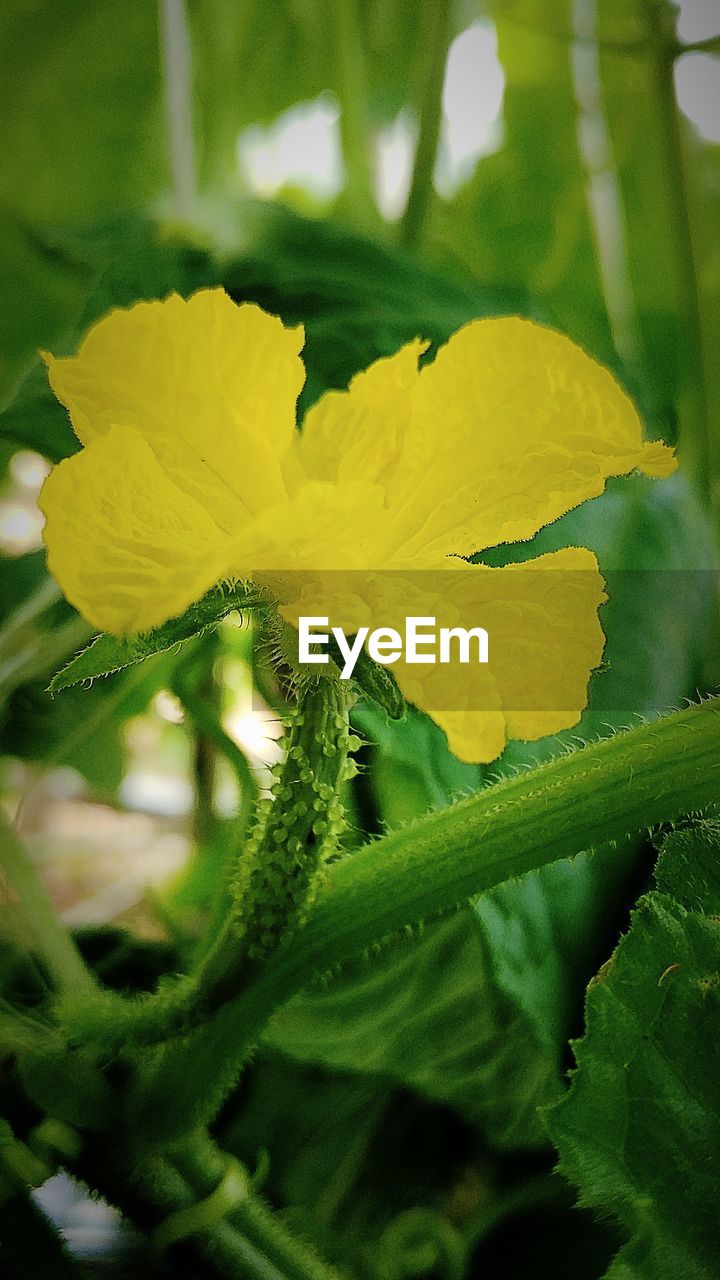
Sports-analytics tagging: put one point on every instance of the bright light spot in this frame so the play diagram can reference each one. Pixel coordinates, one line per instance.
(20, 528)
(698, 19)
(394, 151)
(301, 149)
(697, 85)
(28, 469)
(162, 794)
(256, 731)
(168, 707)
(472, 103)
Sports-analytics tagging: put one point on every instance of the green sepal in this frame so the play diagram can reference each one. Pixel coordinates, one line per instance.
(107, 654)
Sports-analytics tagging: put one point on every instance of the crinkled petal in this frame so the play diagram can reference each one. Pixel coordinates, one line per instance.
(211, 386)
(512, 425)
(128, 547)
(359, 434)
(323, 526)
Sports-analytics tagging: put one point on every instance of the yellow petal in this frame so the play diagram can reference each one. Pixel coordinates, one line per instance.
(544, 642)
(359, 434)
(211, 386)
(512, 425)
(127, 546)
(324, 526)
(657, 460)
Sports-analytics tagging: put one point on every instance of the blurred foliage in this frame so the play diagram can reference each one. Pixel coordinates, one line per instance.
(411, 1080)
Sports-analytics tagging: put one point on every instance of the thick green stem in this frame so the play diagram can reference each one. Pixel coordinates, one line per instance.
(651, 774)
(202, 706)
(596, 795)
(437, 16)
(655, 179)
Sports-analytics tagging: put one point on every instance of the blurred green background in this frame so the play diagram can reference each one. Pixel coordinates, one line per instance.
(377, 169)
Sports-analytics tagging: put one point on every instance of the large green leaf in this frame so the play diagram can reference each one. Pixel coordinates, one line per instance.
(428, 1015)
(639, 1131)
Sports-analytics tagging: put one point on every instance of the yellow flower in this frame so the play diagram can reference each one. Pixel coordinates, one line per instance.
(192, 473)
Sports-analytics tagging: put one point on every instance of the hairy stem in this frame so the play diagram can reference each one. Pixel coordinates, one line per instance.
(202, 1165)
(599, 794)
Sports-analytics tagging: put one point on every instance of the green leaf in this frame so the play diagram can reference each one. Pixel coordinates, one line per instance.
(108, 654)
(639, 1131)
(542, 935)
(428, 1016)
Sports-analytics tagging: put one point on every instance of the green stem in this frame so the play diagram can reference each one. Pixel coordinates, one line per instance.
(197, 1193)
(203, 1166)
(602, 792)
(232, 1256)
(437, 15)
(30, 1245)
(48, 937)
(711, 45)
(354, 115)
(599, 794)
(30, 645)
(208, 726)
